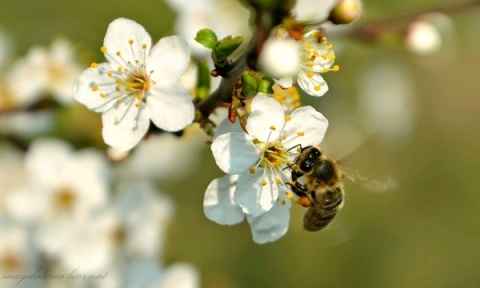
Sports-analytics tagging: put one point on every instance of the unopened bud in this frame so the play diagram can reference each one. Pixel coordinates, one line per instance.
(280, 57)
(345, 11)
(426, 34)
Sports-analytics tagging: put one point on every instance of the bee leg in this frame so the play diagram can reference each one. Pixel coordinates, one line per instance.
(301, 191)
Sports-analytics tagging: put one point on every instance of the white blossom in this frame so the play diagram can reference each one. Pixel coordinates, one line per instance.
(303, 61)
(259, 156)
(139, 83)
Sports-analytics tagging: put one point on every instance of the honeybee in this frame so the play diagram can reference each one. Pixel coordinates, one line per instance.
(322, 190)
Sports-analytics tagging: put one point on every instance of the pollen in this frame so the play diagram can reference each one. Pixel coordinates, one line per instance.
(288, 117)
(335, 68)
(144, 46)
(103, 95)
(118, 53)
(301, 133)
(252, 170)
(331, 57)
(317, 87)
(277, 180)
(138, 104)
(103, 49)
(95, 88)
(310, 74)
(94, 65)
(273, 128)
(130, 41)
(289, 195)
(264, 182)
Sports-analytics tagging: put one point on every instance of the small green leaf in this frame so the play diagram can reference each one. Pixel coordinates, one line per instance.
(207, 38)
(225, 48)
(249, 85)
(265, 85)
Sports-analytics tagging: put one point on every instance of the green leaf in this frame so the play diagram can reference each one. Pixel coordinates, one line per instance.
(225, 48)
(207, 38)
(265, 85)
(249, 84)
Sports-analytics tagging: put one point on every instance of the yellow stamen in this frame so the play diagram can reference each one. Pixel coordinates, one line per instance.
(94, 65)
(103, 95)
(138, 104)
(273, 128)
(264, 182)
(252, 170)
(130, 41)
(289, 195)
(110, 73)
(118, 53)
(288, 117)
(119, 100)
(103, 49)
(310, 74)
(325, 70)
(300, 133)
(331, 57)
(335, 68)
(278, 181)
(95, 88)
(144, 46)
(317, 87)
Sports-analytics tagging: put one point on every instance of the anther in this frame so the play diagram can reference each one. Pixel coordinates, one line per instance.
(130, 41)
(103, 49)
(317, 87)
(273, 128)
(300, 133)
(95, 88)
(252, 170)
(310, 74)
(118, 53)
(94, 65)
(264, 182)
(288, 117)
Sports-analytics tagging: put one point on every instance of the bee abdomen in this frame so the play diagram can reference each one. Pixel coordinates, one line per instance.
(316, 219)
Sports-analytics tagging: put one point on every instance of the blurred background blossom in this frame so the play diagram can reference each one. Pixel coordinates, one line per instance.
(136, 219)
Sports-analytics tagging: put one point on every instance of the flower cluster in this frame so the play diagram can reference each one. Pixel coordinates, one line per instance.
(256, 160)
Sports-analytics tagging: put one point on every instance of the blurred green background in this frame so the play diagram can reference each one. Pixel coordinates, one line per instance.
(423, 233)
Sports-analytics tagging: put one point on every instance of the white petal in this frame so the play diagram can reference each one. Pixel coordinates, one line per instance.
(169, 58)
(254, 197)
(309, 123)
(170, 106)
(119, 32)
(226, 126)
(285, 82)
(218, 204)
(271, 225)
(234, 152)
(180, 275)
(308, 84)
(266, 120)
(84, 83)
(124, 125)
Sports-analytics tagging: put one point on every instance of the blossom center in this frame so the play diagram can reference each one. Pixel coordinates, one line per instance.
(64, 199)
(272, 154)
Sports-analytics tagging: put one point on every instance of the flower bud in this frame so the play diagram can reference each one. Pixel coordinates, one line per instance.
(345, 11)
(280, 58)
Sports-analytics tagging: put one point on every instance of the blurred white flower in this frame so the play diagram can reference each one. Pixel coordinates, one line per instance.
(312, 9)
(427, 34)
(387, 102)
(60, 183)
(44, 72)
(261, 154)
(26, 123)
(224, 17)
(17, 254)
(139, 83)
(302, 61)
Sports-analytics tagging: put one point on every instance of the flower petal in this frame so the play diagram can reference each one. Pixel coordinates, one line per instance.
(308, 84)
(120, 33)
(93, 82)
(218, 204)
(271, 225)
(266, 120)
(285, 82)
(256, 193)
(124, 125)
(168, 58)
(234, 152)
(171, 106)
(306, 127)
